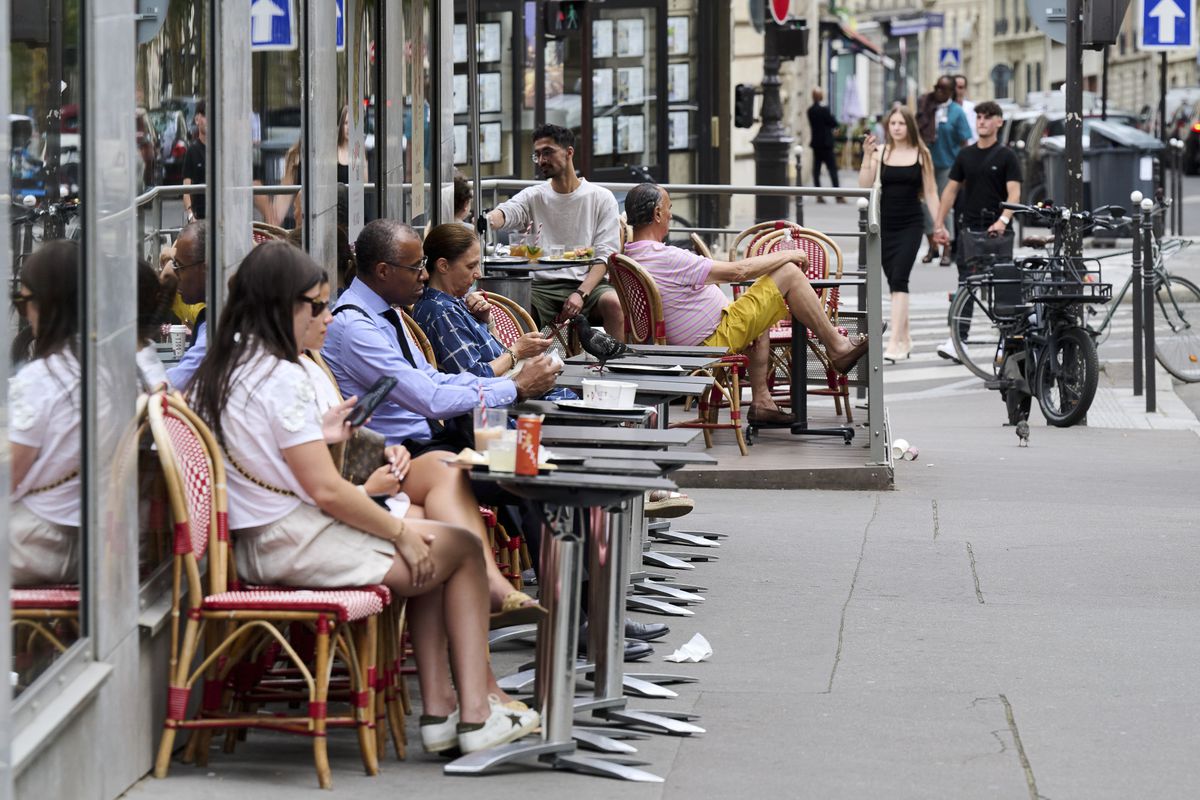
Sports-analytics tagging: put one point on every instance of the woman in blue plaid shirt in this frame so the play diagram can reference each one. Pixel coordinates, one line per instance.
(456, 319)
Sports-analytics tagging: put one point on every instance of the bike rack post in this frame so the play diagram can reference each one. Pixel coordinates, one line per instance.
(1135, 200)
(1148, 299)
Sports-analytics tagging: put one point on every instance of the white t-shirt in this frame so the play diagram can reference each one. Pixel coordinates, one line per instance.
(586, 217)
(328, 397)
(44, 412)
(272, 406)
(969, 110)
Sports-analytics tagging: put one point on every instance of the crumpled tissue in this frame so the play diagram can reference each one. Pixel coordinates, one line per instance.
(696, 650)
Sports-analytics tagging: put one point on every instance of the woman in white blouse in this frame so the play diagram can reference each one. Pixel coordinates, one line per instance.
(43, 427)
(296, 521)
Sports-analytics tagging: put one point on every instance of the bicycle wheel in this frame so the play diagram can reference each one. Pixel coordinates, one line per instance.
(974, 332)
(1177, 328)
(1066, 377)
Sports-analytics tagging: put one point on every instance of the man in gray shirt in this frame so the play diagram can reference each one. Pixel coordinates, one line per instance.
(570, 212)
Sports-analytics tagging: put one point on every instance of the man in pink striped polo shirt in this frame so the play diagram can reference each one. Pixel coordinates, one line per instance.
(697, 312)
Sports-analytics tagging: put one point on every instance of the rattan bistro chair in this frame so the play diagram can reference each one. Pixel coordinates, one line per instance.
(824, 261)
(236, 623)
(644, 324)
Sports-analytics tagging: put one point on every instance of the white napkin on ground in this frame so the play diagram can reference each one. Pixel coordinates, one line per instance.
(696, 650)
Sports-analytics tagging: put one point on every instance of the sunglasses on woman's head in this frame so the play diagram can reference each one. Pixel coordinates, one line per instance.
(315, 305)
(19, 301)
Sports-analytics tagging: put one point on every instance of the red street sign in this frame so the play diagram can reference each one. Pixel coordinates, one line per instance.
(780, 10)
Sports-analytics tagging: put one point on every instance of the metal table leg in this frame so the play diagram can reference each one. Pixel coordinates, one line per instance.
(554, 686)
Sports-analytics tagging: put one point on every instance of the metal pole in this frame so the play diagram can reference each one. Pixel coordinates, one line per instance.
(1103, 86)
(1073, 244)
(773, 141)
(1148, 299)
(861, 292)
(799, 182)
(1135, 200)
(473, 105)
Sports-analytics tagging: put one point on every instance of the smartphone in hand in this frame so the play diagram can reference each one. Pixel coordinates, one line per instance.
(370, 401)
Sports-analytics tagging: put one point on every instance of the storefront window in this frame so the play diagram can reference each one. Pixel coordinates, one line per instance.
(625, 94)
(45, 397)
(498, 40)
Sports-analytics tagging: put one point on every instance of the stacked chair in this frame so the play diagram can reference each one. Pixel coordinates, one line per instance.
(824, 262)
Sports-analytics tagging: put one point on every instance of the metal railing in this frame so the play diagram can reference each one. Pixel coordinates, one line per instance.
(869, 295)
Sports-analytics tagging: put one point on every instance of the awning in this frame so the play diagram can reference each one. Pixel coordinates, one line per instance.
(857, 43)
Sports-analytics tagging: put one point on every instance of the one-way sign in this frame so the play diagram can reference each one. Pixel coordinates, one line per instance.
(1166, 24)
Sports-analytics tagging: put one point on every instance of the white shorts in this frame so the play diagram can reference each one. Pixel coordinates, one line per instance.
(312, 549)
(41, 553)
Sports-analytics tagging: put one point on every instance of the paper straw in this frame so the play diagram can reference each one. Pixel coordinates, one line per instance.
(537, 239)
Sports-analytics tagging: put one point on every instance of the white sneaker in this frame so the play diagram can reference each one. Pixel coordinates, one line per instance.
(946, 350)
(439, 733)
(502, 726)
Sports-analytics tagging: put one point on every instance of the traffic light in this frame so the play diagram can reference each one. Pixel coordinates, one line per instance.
(564, 17)
(743, 105)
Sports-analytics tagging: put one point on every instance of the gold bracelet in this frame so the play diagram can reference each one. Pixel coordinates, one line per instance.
(396, 536)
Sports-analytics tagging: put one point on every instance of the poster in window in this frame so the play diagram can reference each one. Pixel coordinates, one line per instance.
(677, 130)
(602, 88)
(602, 38)
(460, 144)
(602, 136)
(459, 49)
(631, 134)
(678, 34)
(630, 85)
(460, 94)
(488, 41)
(489, 92)
(489, 144)
(678, 82)
(631, 38)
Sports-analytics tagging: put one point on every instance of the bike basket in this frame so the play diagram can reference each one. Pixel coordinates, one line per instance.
(998, 287)
(1078, 283)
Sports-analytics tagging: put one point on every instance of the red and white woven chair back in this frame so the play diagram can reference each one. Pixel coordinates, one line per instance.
(189, 477)
(505, 327)
(638, 298)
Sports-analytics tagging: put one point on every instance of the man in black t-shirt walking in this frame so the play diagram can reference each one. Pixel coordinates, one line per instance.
(984, 175)
(193, 166)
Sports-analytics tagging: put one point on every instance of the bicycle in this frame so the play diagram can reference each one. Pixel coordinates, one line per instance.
(1034, 342)
(1177, 316)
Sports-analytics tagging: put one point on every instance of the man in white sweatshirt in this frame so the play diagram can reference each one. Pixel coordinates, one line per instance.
(569, 211)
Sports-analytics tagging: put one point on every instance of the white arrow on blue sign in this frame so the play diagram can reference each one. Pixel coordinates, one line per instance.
(949, 58)
(1166, 24)
(341, 25)
(272, 25)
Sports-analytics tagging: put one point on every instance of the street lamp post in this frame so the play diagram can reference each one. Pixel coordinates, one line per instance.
(773, 142)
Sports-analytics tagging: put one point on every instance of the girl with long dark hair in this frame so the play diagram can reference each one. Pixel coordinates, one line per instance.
(297, 521)
(44, 406)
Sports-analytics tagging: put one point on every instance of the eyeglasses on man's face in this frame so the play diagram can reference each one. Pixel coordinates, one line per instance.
(179, 267)
(545, 152)
(316, 305)
(418, 267)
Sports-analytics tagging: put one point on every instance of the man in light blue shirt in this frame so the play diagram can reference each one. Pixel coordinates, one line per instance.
(190, 267)
(368, 340)
(953, 133)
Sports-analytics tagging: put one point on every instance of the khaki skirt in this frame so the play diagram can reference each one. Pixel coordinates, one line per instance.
(310, 548)
(41, 553)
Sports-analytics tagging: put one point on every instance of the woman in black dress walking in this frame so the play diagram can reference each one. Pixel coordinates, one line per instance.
(904, 169)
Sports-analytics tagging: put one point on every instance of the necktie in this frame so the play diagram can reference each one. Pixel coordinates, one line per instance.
(393, 316)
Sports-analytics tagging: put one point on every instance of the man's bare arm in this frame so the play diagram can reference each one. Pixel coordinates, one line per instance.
(752, 268)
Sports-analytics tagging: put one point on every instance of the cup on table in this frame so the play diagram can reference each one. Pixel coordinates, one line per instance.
(516, 244)
(490, 423)
(554, 251)
(609, 394)
(502, 452)
(178, 337)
